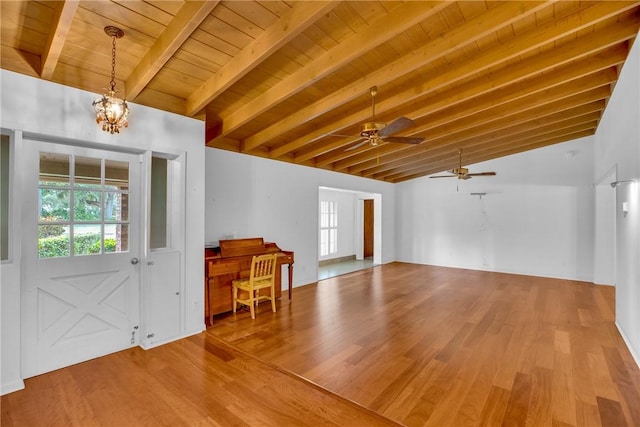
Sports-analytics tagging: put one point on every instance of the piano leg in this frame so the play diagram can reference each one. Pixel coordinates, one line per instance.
(290, 280)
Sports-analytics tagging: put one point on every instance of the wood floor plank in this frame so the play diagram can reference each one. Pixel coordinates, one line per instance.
(611, 413)
(518, 405)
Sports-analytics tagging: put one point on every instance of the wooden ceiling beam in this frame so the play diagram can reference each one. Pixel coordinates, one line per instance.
(376, 33)
(543, 109)
(501, 151)
(63, 15)
(535, 38)
(503, 114)
(547, 114)
(500, 17)
(298, 19)
(183, 24)
(507, 152)
(587, 112)
(442, 157)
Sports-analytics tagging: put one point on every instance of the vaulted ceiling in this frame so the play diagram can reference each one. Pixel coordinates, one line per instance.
(290, 80)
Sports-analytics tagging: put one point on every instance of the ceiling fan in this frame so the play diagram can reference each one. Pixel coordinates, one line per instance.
(376, 132)
(463, 173)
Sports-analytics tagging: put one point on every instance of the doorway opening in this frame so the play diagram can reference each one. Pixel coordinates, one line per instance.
(349, 231)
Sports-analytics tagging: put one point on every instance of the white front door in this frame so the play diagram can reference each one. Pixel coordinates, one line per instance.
(81, 288)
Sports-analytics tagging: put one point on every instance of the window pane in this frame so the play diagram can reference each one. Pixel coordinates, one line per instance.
(116, 175)
(87, 205)
(333, 244)
(113, 203)
(324, 244)
(88, 172)
(116, 237)
(158, 214)
(53, 241)
(4, 197)
(54, 204)
(87, 239)
(54, 169)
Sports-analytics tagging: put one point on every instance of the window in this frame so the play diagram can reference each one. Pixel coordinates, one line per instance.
(83, 206)
(328, 228)
(158, 213)
(4, 197)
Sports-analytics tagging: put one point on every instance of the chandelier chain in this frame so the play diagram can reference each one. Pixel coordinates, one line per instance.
(113, 64)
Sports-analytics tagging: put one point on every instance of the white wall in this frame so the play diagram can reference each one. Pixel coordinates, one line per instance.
(617, 146)
(346, 203)
(536, 217)
(48, 110)
(254, 197)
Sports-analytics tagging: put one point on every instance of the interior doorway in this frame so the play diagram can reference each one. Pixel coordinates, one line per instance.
(349, 231)
(367, 229)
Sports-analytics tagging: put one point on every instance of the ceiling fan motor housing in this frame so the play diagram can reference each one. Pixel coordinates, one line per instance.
(371, 128)
(460, 171)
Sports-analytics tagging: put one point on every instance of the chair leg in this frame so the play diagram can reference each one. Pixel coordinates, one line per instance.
(273, 299)
(251, 304)
(235, 298)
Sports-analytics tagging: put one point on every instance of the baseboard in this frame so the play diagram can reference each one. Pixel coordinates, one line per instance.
(7, 388)
(635, 356)
(336, 260)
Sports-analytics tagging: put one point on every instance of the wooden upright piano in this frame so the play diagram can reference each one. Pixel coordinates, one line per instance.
(232, 260)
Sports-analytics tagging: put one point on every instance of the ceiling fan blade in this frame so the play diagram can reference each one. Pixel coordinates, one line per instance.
(444, 176)
(482, 174)
(403, 139)
(397, 125)
(360, 144)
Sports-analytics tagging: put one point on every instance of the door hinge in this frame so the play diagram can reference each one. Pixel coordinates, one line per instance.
(133, 335)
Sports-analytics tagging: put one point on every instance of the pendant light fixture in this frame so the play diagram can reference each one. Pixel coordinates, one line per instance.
(112, 112)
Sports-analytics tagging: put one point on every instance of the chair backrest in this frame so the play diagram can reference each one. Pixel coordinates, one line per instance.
(263, 267)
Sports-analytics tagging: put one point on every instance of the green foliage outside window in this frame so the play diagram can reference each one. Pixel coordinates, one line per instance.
(58, 246)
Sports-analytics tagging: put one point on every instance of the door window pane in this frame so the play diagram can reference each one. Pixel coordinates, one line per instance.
(113, 206)
(87, 205)
(116, 175)
(54, 169)
(88, 172)
(121, 238)
(87, 239)
(54, 205)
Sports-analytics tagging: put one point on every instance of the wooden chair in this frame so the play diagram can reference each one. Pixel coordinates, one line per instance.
(262, 276)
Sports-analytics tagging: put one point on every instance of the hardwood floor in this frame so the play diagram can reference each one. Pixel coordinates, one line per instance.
(417, 344)
(437, 346)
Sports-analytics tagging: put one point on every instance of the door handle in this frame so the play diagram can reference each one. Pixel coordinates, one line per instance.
(134, 260)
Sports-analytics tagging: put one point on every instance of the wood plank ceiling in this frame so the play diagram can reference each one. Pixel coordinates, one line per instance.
(290, 80)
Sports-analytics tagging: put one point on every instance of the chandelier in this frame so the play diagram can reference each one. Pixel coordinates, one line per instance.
(112, 112)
